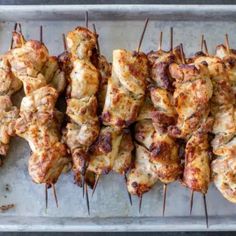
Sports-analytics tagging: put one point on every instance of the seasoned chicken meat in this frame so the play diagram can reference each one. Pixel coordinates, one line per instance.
(191, 98)
(125, 89)
(197, 163)
(39, 124)
(9, 84)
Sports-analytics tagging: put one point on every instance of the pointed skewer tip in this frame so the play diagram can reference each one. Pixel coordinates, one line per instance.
(129, 195)
(160, 41)
(205, 208)
(83, 184)
(41, 34)
(98, 46)
(182, 54)
(95, 185)
(191, 202)
(227, 43)
(46, 196)
(64, 42)
(55, 194)
(205, 46)
(140, 203)
(86, 19)
(87, 199)
(202, 42)
(142, 35)
(171, 39)
(164, 198)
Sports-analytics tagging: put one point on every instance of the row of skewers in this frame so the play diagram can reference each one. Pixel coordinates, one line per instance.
(149, 117)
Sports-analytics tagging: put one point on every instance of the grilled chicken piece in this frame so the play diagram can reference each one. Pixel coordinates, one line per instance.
(27, 63)
(39, 124)
(229, 59)
(159, 62)
(141, 178)
(191, 98)
(9, 84)
(221, 69)
(111, 152)
(122, 162)
(125, 89)
(223, 168)
(8, 115)
(197, 163)
(81, 43)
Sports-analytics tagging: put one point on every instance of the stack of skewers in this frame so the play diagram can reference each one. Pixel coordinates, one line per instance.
(149, 117)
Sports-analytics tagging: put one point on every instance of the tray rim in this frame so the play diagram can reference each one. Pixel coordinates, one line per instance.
(156, 12)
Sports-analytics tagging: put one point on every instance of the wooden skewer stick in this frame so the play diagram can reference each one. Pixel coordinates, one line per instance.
(140, 203)
(160, 41)
(86, 19)
(41, 34)
(64, 42)
(202, 42)
(164, 199)
(46, 196)
(53, 185)
(87, 198)
(171, 39)
(142, 35)
(205, 208)
(227, 43)
(165, 185)
(129, 195)
(96, 183)
(55, 194)
(191, 202)
(182, 54)
(83, 183)
(20, 29)
(205, 46)
(95, 31)
(12, 40)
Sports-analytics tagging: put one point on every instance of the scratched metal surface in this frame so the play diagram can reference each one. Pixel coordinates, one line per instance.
(118, 27)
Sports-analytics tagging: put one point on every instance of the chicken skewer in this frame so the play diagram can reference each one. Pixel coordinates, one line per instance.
(114, 146)
(159, 152)
(203, 45)
(39, 122)
(223, 144)
(9, 85)
(79, 62)
(168, 166)
(192, 97)
(122, 161)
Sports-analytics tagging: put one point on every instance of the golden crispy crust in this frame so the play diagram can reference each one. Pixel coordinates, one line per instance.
(39, 124)
(81, 42)
(223, 169)
(104, 151)
(126, 88)
(191, 98)
(141, 178)
(197, 170)
(159, 63)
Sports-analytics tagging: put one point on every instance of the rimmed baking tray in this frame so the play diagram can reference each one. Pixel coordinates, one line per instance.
(119, 26)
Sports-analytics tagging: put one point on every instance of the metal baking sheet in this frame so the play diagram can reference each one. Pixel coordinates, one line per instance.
(118, 27)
